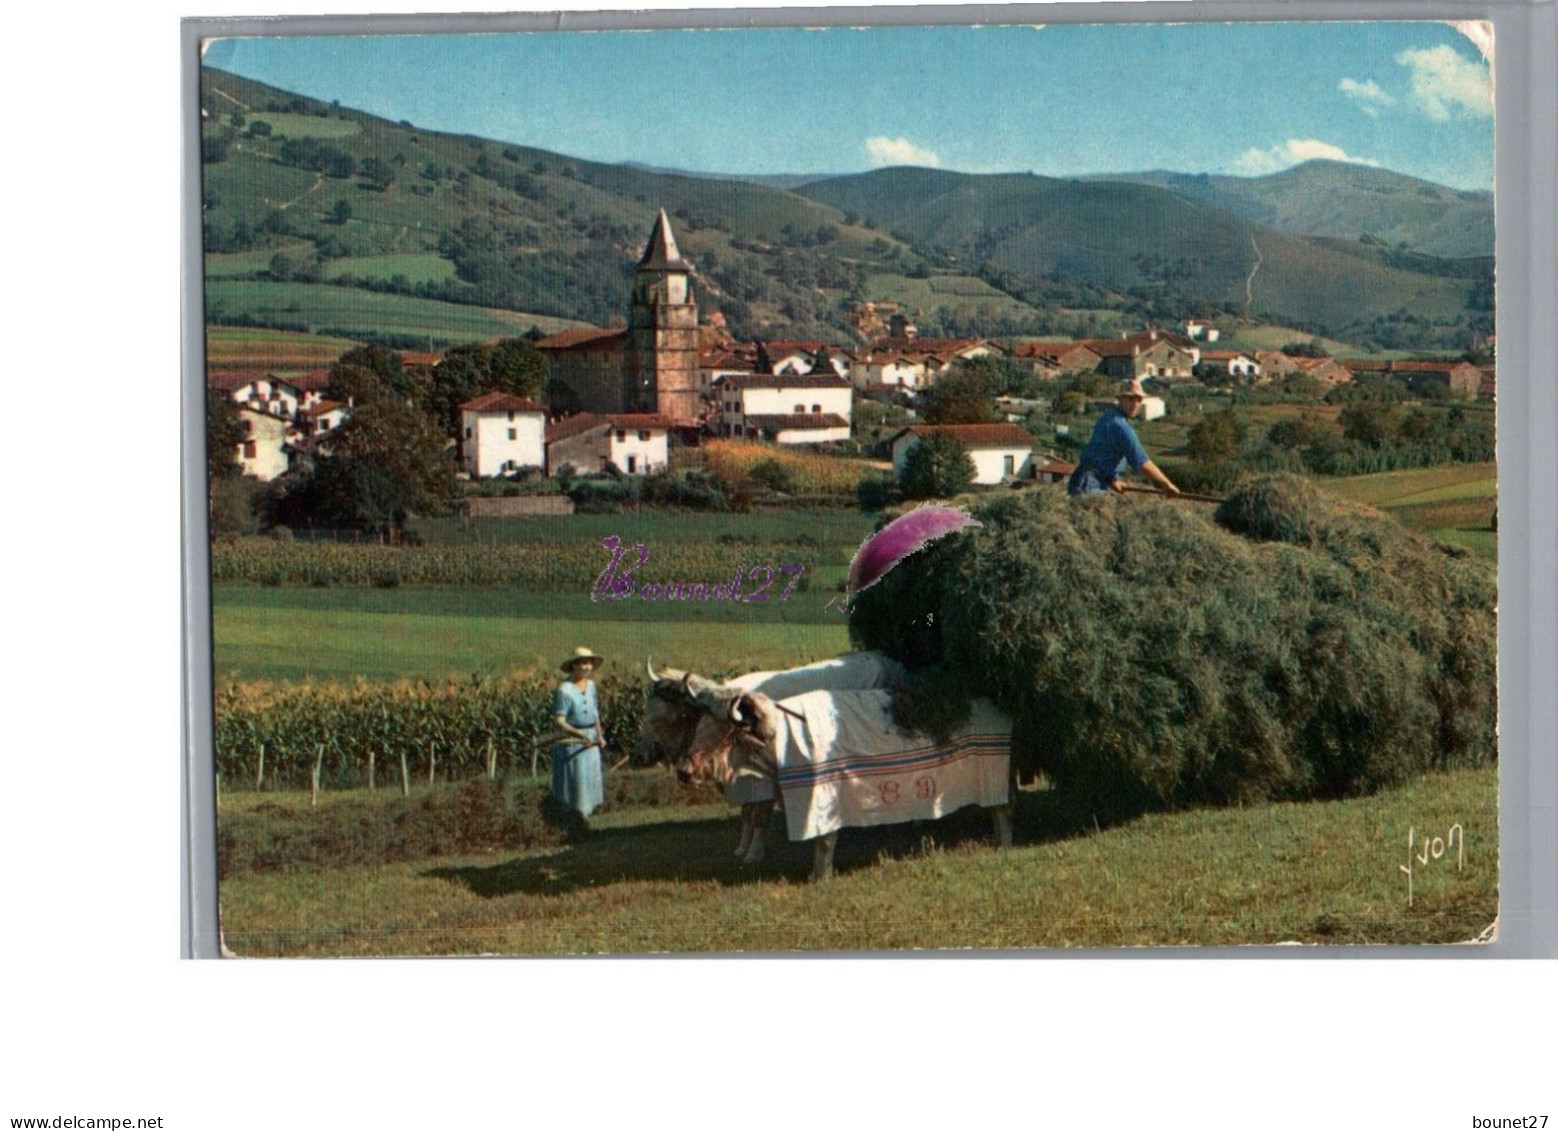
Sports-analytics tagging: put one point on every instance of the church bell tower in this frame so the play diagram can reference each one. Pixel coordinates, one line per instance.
(660, 371)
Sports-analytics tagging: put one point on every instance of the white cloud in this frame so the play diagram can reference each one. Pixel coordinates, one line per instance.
(1443, 80)
(1367, 95)
(1294, 151)
(899, 151)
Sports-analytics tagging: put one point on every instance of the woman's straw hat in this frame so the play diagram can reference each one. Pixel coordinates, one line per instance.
(581, 653)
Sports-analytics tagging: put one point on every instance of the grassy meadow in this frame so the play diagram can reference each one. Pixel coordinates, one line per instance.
(654, 878)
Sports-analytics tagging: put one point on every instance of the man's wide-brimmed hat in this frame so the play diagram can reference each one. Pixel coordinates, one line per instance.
(1132, 388)
(581, 653)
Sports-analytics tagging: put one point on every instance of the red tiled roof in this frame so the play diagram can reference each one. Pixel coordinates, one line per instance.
(1223, 355)
(324, 407)
(784, 381)
(639, 420)
(802, 421)
(575, 425)
(928, 345)
(1113, 347)
(313, 381)
(977, 435)
(587, 339)
(420, 357)
(501, 402)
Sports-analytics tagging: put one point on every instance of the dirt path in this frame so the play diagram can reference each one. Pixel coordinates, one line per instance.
(1249, 282)
(229, 97)
(319, 179)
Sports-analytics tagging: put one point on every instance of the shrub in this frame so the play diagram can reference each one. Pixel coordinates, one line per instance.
(1152, 656)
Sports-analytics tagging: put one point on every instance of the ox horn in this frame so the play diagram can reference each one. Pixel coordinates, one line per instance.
(650, 668)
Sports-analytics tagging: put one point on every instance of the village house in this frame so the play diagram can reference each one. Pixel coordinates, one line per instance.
(1274, 365)
(325, 417)
(1054, 471)
(1461, 378)
(636, 443)
(258, 392)
(753, 403)
(501, 433)
(1051, 359)
(262, 452)
(1152, 353)
(999, 451)
(1232, 364)
(1326, 370)
(1201, 330)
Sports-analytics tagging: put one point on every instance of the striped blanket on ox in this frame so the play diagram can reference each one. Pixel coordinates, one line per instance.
(853, 671)
(844, 763)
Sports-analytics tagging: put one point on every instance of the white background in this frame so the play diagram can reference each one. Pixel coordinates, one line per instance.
(100, 1017)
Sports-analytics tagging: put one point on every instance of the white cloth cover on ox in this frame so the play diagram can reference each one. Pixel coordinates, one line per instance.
(845, 763)
(853, 671)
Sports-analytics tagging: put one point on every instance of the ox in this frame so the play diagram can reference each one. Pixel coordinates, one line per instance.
(837, 760)
(675, 721)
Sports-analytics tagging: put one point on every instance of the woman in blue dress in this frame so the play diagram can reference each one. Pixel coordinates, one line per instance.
(576, 764)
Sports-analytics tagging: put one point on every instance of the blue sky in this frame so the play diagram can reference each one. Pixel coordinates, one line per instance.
(1058, 100)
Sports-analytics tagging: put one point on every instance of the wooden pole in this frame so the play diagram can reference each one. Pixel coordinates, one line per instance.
(259, 773)
(319, 762)
(405, 778)
(371, 753)
(431, 758)
(492, 759)
(1135, 490)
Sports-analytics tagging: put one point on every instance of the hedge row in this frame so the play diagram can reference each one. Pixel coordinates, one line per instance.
(536, 566)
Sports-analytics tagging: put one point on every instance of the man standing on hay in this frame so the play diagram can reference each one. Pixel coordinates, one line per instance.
(1113, 445)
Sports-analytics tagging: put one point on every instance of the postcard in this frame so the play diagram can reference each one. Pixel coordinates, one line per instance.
(852, 489)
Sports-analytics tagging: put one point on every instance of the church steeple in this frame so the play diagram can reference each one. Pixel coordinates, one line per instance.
(661, 253)
(660, 368)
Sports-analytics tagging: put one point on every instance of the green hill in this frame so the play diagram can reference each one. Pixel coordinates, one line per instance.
(1346, 201)
(304, 193)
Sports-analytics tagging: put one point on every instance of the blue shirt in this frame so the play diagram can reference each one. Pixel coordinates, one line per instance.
(1113, 445)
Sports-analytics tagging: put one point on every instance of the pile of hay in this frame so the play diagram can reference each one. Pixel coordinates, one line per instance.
(1156, 654)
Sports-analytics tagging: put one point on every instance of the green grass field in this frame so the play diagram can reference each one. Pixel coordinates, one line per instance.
(283, 124)
(354, 311)
(662, 879)
(426, 633)
(1453, 502)
(252, 345)
(419, 267)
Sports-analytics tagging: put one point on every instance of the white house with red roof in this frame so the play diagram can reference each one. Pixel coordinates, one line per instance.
(750, 402)
(1231, 363)
(259, 392)
(501, 433)
(326, 416)
(637, 443)
(999, 451)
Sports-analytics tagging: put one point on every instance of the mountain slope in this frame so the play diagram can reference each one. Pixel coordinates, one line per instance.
(303, 192)
(1345, 201)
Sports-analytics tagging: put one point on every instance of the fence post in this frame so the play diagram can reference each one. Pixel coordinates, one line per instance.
(492, 759)
(371, 753)
(431, 758)
(319, 761)
(259, 773)
(405, 778)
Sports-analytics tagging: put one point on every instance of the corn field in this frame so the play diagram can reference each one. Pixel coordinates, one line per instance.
(534, 566)
(733, 461)
(273, 735)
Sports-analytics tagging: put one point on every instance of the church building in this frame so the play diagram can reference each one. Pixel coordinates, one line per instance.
(652, 366)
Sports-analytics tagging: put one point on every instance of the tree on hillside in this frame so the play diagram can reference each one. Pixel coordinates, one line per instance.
(342, 211)
(228, 500)
(938, 467)
(1371, 423)
(518, 367)
(382, 361)
(1216, 439)
(513, 365)
(379, 174)
(961, 395)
